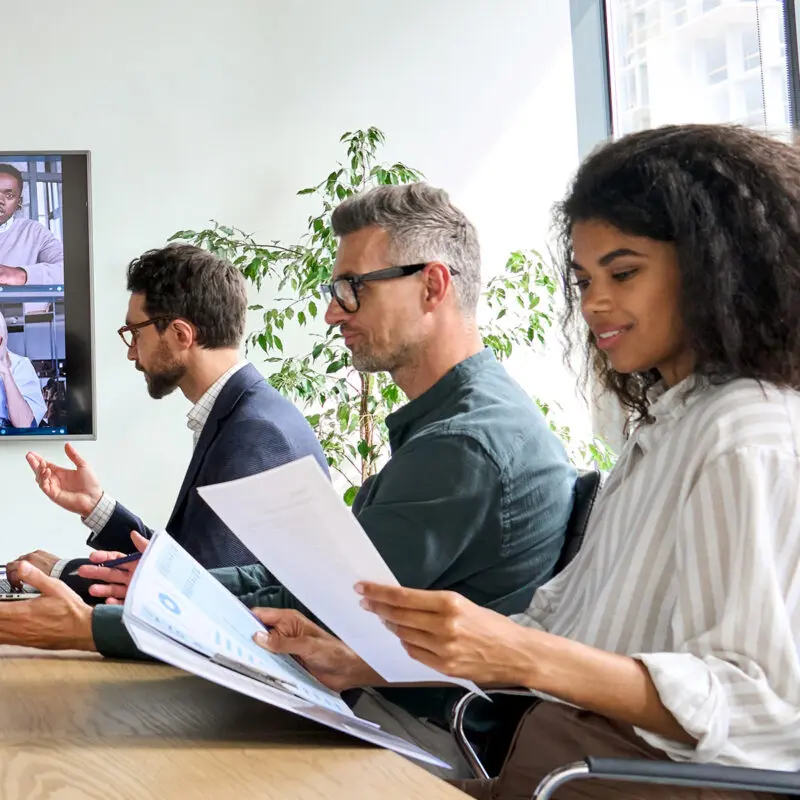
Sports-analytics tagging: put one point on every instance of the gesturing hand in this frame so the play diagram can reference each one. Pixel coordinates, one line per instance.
(116, 579)
(76, 490)
(327, 658)
(451, 634)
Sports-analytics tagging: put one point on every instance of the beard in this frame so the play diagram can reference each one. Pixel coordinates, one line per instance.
(365, 360)
(164, 377)
(162, 383)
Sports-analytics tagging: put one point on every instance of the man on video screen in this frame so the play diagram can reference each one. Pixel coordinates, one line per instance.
(29, 252)
(21, 402)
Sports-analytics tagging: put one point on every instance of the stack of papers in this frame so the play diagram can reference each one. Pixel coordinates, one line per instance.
(294, 522)
(178, 613)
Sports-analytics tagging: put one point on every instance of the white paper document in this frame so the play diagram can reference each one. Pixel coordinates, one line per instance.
(178, 613)
(171, 593)
(292, 519)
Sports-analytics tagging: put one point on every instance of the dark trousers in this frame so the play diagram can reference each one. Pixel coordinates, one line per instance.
(551, 736)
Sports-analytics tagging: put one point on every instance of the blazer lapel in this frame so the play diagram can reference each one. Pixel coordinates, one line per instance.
(228, 398)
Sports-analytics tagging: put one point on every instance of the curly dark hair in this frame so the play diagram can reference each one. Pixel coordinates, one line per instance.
(728, 198)
(185, 281)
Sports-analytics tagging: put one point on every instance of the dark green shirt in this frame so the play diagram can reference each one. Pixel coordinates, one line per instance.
(474, 499)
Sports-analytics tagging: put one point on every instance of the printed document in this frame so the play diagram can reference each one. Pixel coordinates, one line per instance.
(292, 519)
(177, 612)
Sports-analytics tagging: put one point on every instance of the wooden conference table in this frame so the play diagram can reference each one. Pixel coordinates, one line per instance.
(74, 725)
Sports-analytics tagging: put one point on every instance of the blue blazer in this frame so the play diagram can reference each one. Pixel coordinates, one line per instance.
(251, 428)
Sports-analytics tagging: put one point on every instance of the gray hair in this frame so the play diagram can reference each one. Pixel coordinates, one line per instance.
(423, 225)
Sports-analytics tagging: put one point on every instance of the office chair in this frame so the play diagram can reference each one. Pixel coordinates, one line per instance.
(512, 703)
(485, 757)
(672, 773)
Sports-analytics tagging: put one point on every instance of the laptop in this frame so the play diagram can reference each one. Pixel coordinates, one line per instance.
(8, 592)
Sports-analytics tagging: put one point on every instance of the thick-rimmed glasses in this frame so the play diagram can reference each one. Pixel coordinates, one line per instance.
(130, 333)
(345, 289)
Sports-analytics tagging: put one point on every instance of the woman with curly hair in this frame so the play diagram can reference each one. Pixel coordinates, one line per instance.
(674, 633)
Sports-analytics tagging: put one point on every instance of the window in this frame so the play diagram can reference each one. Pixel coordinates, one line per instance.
(716, 61)
(753, 102)
(698, 61)
(751, 49)
(680, 12)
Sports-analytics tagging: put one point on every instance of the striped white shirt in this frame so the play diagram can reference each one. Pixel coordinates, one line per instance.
(691, 564)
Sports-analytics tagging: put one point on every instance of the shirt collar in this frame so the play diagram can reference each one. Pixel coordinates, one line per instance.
(198, 414)
(7, 224)
(673, 402)
(401, 421)
(669, 404)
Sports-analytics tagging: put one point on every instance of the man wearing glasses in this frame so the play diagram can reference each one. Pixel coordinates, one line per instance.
(29, 253)
(477, 492)
(185, 322)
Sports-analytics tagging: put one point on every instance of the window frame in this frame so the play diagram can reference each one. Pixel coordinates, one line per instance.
(589, 22)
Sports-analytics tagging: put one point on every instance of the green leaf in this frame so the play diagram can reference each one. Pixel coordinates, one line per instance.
(350, 495)
(363, 449)
(312, 308)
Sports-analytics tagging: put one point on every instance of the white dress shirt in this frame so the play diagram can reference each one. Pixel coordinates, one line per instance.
(29, 385)
(195, 420)
(691, 564)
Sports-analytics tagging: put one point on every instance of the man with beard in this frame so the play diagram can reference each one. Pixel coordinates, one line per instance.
(29, 253)
(478, 490)
(185, 322)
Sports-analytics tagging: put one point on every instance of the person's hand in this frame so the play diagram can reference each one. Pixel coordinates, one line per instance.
(76, 490)
(451, 634)
(327, 658)
(41, 559)
(116, 579)
(58, 620)
(12, 276)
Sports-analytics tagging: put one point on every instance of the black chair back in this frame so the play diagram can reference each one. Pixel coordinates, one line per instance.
(491, 727)
(584, 494)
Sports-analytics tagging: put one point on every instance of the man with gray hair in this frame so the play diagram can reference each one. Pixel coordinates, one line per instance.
(476, 495)
(21, 402)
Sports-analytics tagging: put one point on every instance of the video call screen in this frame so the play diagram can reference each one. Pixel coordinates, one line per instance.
(46, 386)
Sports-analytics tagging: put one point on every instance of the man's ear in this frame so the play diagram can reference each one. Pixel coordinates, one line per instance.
(437, 281)
(185, 333)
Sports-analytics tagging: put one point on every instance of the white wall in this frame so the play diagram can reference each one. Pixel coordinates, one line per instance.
(196, 109)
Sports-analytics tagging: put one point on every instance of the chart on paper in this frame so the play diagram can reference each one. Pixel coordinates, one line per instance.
(174, 595)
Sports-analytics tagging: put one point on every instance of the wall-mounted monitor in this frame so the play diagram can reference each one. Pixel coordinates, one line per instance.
(46, 337)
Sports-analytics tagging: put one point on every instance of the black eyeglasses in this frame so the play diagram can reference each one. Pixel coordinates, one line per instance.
(130, 333)
(345, 289)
